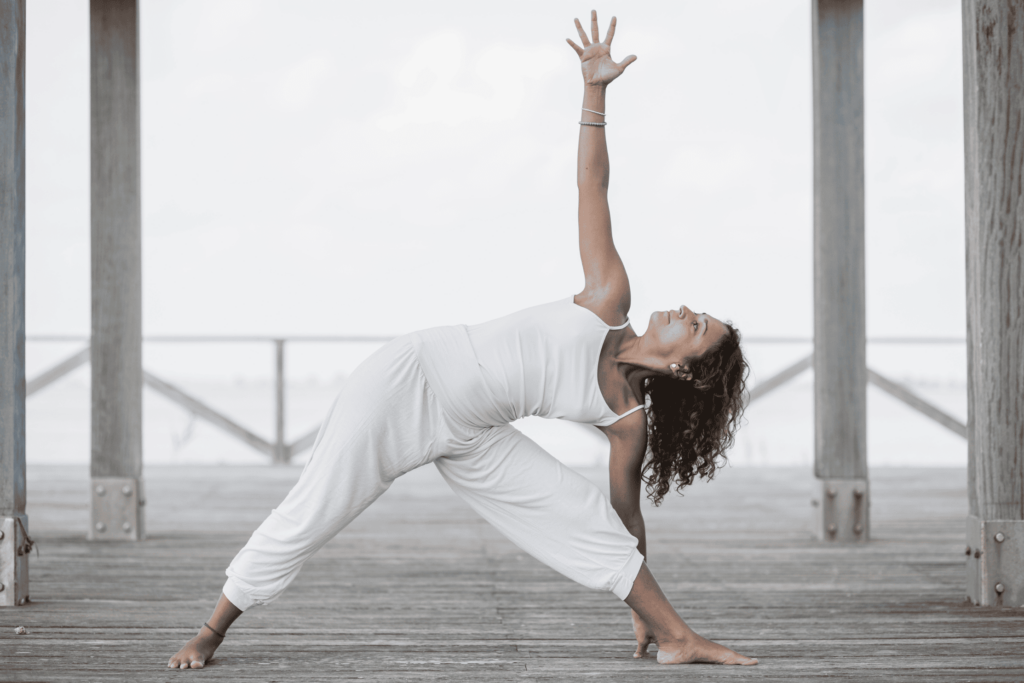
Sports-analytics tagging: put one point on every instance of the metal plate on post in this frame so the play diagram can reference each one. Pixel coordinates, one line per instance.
(995, 562)
(13, 561)
(841, 510)
(117, 509)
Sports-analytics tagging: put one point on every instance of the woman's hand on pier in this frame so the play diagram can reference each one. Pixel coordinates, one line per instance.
(595, 57)
(644, 636)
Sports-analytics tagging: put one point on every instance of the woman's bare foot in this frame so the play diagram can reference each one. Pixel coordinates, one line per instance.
(697, 649)
(196, 652)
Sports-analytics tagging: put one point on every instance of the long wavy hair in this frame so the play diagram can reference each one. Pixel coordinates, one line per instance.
(692, 423)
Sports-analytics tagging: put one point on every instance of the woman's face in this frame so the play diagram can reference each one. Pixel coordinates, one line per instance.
(681, 334)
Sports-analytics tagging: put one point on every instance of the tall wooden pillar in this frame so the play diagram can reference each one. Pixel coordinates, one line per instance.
(116, 273)
(840, 373)
(993, 48)
(13, 521)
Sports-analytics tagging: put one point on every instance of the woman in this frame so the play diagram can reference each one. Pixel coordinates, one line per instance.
(447, 395)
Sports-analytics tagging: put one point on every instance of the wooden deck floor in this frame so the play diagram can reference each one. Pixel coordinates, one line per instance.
(419, 588)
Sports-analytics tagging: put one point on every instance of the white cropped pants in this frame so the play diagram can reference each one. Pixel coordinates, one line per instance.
(386, 421)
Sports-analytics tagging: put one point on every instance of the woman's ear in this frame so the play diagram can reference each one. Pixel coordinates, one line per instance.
(684, 372)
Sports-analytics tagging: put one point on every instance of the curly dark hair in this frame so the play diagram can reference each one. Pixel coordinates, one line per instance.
(691, 424)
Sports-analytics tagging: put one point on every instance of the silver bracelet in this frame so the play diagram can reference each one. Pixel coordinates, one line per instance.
(590, 123)
(599, 113)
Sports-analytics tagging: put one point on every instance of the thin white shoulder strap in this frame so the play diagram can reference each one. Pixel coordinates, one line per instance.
(620, 327)
(628, 412)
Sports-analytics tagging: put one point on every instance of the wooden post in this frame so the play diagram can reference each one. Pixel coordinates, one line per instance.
(116, 273)
(13, 521)
(840, 373)
(993, 47)
(280, 448)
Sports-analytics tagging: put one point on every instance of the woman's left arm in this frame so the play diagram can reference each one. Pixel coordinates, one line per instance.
(628, 440)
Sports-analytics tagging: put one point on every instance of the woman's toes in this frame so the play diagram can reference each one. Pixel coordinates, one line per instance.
(197, 664)
(184, 665)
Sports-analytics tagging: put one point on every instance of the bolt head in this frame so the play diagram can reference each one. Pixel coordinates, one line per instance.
(101, 527)
(21, 602)
(831, 528)
(126, 527)
(858, 493)
(100, 491)
(126, 490)
(832, 493)
(977, 554)
(1, 535)
(1000, 588)
(857, 528)
(1000, 537)
(968, 550)
(2, 588)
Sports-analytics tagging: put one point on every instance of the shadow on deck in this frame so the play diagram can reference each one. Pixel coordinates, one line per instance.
(419, 588)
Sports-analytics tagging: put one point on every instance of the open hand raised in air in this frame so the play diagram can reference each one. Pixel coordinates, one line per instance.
(595, 57)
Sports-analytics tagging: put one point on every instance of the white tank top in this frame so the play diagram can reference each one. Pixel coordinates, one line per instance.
(540, 361)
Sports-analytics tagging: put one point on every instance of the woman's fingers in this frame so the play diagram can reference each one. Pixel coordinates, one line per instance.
(593, 26)
(583, 36)
(627, 61)
(611, 33)
(579, 50)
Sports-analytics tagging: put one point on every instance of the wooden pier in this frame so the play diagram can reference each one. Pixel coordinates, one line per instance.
(420, 589)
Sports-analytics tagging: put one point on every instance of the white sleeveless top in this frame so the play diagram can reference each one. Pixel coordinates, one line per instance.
(539, 361)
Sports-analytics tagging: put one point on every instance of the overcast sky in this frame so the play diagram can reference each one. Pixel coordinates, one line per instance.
(378, 167)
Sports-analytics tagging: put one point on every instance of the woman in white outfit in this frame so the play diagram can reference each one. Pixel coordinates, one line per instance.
(447, 395)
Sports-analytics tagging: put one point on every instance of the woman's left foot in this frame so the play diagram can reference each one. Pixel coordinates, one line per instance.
(697, 649)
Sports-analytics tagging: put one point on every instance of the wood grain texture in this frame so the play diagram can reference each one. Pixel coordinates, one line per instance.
(116, 240)
(840, 375)
(993, 48)
(419, 588)
(12, 257)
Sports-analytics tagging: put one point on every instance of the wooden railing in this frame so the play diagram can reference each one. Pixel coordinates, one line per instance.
(280, 452)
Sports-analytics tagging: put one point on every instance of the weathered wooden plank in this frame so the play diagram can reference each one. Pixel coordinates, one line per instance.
(48, 377)
(13, 522)
(116, 251)
(418, 588)
(840, 375)
(202, 410)
(917, 403)
(994, 172)
(780, 378)
(281, 452)
(12, 257)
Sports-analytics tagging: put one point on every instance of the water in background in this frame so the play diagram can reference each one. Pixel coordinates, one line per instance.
(778, 430)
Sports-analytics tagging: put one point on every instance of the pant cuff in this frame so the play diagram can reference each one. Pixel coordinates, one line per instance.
(624, 583)
(236, 595)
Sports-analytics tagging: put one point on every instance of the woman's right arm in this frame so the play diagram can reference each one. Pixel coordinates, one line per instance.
(606, 289)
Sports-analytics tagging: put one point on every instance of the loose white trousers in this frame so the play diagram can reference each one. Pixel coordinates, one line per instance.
(386, 421)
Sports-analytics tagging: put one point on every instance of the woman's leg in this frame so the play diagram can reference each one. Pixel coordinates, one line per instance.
(563, 520)
(383, 423)
(545, 508)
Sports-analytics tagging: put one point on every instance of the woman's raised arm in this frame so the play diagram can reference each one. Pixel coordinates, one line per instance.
(606, 289)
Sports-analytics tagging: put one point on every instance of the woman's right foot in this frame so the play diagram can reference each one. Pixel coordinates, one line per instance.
(696, 649)
(196, 652)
